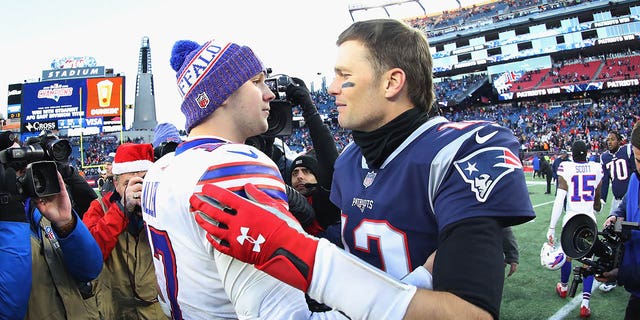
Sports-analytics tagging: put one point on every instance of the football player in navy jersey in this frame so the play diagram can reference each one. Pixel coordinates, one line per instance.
(410, 184)
(617, 164)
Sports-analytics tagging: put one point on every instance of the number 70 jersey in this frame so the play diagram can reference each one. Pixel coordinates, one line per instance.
(582, 180)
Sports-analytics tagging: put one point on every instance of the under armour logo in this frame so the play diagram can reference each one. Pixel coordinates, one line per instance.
(244, 236)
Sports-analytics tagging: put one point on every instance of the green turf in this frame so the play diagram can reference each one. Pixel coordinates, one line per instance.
(530, 292)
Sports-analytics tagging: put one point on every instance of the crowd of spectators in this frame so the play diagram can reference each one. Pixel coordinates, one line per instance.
(547, 127)
(489, 12)
(540, 127)
(454, 89)
(620, 67)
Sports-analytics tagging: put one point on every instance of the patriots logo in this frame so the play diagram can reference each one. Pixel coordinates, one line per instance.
(485, 167)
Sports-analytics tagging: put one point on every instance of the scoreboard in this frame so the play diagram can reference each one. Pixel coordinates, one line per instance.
(81, 106)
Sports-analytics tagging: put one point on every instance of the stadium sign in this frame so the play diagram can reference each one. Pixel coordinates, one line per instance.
(73, 73)
(611, 22)
(73, 62)
(82, 106)
(537, 92)
(39, 126)
(623, 83)
(615, 39)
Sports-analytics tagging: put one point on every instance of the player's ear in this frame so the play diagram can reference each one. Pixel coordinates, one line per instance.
(395, 81)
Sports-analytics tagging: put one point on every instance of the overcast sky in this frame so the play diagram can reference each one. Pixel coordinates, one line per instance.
(295, 37)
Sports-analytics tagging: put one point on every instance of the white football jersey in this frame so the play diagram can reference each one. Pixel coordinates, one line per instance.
(582, 180)
(196, 281)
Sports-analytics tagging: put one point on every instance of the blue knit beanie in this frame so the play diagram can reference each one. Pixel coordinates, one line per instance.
(208, 74)
(165, 132)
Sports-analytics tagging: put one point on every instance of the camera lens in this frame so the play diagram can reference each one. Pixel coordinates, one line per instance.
(60, 150)
(584, 240)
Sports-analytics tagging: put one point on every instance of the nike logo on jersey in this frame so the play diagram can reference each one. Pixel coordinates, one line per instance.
(482, 139)
(248, 154)
(245, 237)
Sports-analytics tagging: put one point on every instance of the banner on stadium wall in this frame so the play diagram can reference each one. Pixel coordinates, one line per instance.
(623, 83)
(579, 87)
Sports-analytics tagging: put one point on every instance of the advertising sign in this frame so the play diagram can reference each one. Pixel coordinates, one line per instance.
(71, 103)
(104, 97)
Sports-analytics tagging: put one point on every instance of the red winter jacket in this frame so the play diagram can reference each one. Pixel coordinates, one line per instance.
(106, 228)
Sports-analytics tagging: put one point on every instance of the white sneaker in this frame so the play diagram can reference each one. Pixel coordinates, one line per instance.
(605, 287)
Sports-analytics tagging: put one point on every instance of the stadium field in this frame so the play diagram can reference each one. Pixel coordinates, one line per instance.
(530, 292)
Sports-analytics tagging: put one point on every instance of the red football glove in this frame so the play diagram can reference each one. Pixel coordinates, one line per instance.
(262, 233)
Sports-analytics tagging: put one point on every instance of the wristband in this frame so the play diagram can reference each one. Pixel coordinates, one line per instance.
(420, 277)
(346, 283)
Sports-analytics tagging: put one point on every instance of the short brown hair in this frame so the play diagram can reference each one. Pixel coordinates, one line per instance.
(394, 44)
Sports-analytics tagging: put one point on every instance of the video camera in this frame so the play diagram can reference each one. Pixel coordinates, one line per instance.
(39, 159)
(280, 118)
(601, 251)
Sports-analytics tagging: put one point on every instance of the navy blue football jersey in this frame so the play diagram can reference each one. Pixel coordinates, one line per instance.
(442, 173)
(617, 168)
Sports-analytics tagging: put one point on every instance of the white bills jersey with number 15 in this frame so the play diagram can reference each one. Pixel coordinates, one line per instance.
(196, 281)
(582, 180)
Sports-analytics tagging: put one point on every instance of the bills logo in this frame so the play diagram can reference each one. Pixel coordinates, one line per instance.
(559, 258)
(199, 65)
(485, 167)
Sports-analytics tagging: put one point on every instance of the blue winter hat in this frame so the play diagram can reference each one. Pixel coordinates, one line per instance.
(165, 132)
(208, 74)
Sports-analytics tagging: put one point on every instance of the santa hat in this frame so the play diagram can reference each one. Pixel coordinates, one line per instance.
(132, 157)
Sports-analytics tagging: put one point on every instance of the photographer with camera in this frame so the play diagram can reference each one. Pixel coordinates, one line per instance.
(581, 196)
(59, 150)
(312, 173)
(115, 221)
(628, 273)
(64, 256)
(15, 252)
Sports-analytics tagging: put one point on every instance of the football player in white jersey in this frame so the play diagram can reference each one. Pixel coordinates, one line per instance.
(225, 101)
(579, 183)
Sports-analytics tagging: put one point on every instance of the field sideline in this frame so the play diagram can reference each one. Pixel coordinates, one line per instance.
(530, 292)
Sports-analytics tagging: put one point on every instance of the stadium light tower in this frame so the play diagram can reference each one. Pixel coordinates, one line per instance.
(381, 4)
(144, 117)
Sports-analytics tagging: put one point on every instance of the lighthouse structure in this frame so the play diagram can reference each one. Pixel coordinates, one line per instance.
(144, 117)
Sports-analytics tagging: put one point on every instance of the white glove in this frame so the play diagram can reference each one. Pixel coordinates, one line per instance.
(551, 235)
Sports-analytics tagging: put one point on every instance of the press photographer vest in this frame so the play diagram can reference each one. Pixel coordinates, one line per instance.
(130, 267)
(55, 294)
